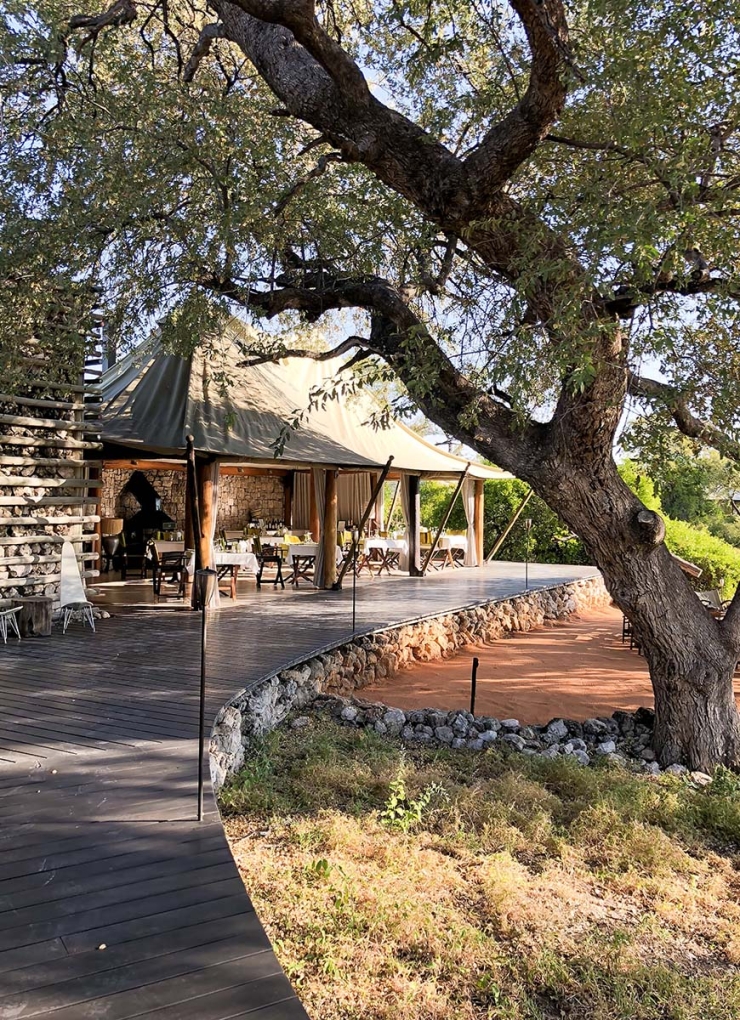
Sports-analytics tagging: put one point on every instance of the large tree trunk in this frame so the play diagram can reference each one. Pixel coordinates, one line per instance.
(696, 718)
(690, 655)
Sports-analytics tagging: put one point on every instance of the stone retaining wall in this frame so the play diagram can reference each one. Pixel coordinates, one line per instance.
(346, 667)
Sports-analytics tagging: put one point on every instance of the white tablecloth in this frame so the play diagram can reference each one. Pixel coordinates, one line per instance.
(307, 549)
(386, 544)
(453, 542)
(245, 560)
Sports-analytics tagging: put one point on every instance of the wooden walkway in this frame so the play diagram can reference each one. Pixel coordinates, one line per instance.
(114, 901)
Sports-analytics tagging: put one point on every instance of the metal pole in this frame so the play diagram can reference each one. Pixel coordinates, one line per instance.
(355, 548)
(201, 732)
(528, 529)
(473, 683)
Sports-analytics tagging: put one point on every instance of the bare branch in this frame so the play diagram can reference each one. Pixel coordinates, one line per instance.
(203, 45)
(318, 170)
(281, 351)
(122, 12)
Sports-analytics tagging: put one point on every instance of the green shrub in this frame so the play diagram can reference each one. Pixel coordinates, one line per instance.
(549, 540)
(719, 561)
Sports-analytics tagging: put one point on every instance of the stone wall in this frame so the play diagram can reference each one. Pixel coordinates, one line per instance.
(349, 666)
(262, 496)
(238, 496)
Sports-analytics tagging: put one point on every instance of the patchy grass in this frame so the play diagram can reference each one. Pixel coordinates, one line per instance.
(433, 885)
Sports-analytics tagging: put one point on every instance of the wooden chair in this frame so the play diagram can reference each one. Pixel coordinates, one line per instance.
(303, 568)
(170, 568)
(268, 556)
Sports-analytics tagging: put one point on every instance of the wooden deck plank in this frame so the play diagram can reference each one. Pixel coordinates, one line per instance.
(99, 843)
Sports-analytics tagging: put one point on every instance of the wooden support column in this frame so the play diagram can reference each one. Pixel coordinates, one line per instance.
(329, 537)
(207, 481)
(478, 518)
(413, 525)
(192, 509)
(313, 512)
(288, 483)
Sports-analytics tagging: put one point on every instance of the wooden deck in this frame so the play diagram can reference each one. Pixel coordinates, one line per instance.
(114, 901)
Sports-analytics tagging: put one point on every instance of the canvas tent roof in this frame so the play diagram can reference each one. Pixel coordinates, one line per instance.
(153, 400)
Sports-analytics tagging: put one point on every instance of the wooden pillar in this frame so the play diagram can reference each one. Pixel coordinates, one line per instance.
(288, 482)
(313, 513)
(189, 534)
(413, 526)
(207, 481)
(478, 518)
(329, 537)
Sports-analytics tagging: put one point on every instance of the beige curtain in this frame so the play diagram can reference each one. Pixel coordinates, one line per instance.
(468, 498)
(319, 481)
(406, 507)
(353, 495)
(301, 512)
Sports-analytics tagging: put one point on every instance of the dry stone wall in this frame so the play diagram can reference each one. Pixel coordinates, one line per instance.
(346, 668)
(239, 496)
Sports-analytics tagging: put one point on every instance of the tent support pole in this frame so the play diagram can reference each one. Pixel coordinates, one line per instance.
(329, 538)
(445, 519)
(512, 521)
(355, 541)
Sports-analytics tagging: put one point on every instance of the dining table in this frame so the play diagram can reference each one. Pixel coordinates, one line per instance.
(389, 551)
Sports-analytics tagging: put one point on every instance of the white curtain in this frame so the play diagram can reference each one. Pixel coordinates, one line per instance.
(405, 484)
(468, 498)
(301, 512)
(319, 482)
(353, 495)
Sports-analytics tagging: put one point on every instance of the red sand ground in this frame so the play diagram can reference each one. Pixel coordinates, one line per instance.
(573, 669)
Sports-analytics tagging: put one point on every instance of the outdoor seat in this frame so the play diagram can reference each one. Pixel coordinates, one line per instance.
(713, 601)
(72, 591)
(227, 570)
(303, 569)
(169, 568)
(268, 556)
(8, 618)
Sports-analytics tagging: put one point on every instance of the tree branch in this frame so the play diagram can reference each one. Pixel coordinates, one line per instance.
(402, 340)
(267, 358)
(510, 142)
(687, 422)
(202, 47)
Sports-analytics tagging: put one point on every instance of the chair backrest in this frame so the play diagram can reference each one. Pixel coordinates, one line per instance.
(711, 598)
(71, 589)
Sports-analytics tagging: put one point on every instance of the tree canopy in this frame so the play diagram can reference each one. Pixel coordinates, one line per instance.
(152, 159)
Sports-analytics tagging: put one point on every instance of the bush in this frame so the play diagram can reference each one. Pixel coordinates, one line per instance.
(719, 561)
(549, 540)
